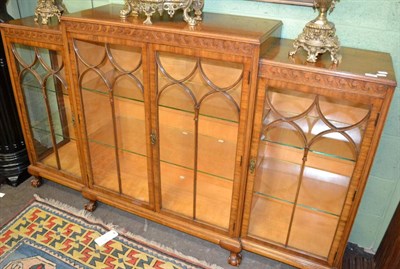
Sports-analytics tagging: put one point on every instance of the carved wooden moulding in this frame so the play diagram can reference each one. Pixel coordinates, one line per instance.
(228, 46)
(39, 36)
(149, 7)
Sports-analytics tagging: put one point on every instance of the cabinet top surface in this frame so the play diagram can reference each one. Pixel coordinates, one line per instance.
(354, 63)
(29, 22)
(238, 28)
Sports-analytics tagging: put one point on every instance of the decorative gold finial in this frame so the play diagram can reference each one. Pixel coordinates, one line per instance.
(46, 9)
(149, 7)
(319, 35)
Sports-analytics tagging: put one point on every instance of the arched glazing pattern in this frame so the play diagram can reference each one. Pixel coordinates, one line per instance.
(308, 150)
(198, 103)
(45, 91)
(111, 84)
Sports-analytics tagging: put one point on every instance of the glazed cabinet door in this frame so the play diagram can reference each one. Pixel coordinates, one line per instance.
(198, 110)
(308, 150)
(45, 102)
(111, 82)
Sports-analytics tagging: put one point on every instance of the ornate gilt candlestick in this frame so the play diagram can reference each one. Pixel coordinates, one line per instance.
(319, 35)
(149, 7)
(46, 9)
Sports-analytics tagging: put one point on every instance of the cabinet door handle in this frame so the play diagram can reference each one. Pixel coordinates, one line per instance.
(252, 166)
(153, 138)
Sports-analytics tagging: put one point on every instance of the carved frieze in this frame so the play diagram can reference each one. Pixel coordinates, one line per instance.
(39, 36)
(323, 80)
(175, 39)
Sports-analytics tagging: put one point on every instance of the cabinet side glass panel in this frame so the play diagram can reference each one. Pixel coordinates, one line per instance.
(42, 80)
(198, 112)
(308, 150)
(111, 83)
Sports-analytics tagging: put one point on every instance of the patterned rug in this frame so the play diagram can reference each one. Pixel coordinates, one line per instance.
(47, 235)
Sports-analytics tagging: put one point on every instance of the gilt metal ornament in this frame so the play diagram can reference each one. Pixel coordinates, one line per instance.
(319, 35)
(149, 7)
(46, 9)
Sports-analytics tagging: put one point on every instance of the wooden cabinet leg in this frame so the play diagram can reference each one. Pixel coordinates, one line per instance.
(235, 259)
(234, 246)
(36, 182)
(91, 206)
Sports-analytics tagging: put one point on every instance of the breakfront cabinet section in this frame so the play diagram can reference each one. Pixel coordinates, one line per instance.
(109, 76)
(315, 134)
(165, 115)
(43, 94)
(197, 104)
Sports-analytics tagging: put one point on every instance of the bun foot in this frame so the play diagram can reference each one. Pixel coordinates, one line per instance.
(235, 259)
(36, 182)
(91, 206)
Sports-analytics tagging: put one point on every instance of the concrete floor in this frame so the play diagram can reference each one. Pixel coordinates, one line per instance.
(16, 199)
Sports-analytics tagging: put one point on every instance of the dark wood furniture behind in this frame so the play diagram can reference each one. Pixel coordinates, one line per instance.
(13, 155)
(388, 254)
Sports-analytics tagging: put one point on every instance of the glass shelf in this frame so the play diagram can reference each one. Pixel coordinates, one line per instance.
(132, 169)
(320, 190)
(61, 131)
(209, 113)
(177, 133)
(129, 118)
(311, 230)
(36, 88)
(295, 155)
(213, 197)
(68, 158)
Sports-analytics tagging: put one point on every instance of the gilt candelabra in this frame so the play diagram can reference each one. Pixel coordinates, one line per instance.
(46, 9)
(319, 35)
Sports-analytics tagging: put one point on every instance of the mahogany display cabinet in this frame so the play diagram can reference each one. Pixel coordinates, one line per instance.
(210, 129)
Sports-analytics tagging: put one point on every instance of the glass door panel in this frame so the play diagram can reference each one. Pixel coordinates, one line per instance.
(177, 189)
(277, 175)
(270, 219)
(213, 200)
(198, 115)
(111, 83)
(307, 153)
(42, 80)
(312, 231)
